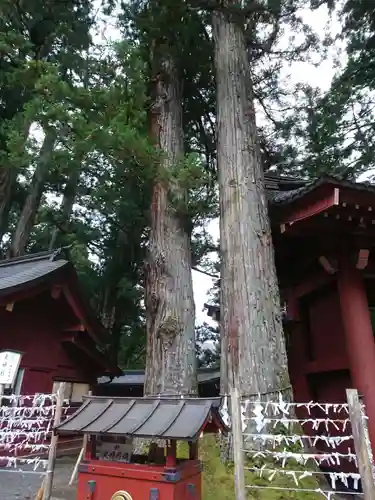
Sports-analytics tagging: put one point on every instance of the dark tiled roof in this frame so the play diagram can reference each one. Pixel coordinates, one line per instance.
(137, 377)
(165, 418)
(282, 196)
(23, 271)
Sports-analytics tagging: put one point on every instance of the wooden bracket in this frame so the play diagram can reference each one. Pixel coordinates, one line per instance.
(75, 328)
(362, 260)
(326, 265)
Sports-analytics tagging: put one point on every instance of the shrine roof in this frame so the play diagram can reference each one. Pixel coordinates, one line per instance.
(279, 196)
(22, 271)
(161, 417)
(21, 276)
(137, 377)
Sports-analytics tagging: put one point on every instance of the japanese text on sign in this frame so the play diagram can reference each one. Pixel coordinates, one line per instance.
(9, 364)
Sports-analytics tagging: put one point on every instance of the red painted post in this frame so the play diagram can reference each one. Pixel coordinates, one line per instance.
(171, 460)
(360, 343)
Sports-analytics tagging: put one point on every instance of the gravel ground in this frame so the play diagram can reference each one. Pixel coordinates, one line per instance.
(21, 485)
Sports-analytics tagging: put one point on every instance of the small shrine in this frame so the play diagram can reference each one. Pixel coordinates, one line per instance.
(111, 470)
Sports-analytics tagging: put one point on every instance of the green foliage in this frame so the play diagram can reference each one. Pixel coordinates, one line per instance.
(93, 98)
(218, 477)
(341, 122)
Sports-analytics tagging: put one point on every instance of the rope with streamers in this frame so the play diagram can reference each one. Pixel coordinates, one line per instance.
(323, 428)
(26, 430)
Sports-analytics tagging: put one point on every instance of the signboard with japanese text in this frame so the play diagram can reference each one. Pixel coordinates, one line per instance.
(115, 449)
(9, 365)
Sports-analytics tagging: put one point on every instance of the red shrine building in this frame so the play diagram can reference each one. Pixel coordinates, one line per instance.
(324, 237)
(45, 317)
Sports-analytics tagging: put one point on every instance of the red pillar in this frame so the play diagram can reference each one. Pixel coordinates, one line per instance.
(359, 337)
(297, 359)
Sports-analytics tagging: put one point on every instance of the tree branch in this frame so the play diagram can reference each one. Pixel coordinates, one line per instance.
(232, 7)
(214, 276)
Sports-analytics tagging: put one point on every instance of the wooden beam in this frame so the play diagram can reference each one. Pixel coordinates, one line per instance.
(75, 328)
(326, 265)
(91, 351)
(362, 260)
(326, 365)
(355, 198)
(76, 308)
(311, 207)
(9, 307)
(312, 283)
(336, 196)
(71, 339)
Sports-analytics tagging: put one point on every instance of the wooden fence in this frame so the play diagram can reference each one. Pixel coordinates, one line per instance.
(311, 447)
(27, 440)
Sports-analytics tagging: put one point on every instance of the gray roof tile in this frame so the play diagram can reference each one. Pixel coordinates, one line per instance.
(30, 274)
(137, 377)
(281, 196)
(21, 271)
(165, 418)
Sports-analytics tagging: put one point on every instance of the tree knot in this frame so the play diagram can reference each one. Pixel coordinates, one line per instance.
(169, 329)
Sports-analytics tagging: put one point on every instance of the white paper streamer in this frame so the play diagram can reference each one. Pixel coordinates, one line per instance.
(26, 428)
(325, 425)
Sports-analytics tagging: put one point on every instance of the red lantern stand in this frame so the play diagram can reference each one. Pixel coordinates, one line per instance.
(159, 475)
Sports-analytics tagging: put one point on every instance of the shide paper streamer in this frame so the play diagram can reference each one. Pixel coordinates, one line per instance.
(25, 430)
(262, 417)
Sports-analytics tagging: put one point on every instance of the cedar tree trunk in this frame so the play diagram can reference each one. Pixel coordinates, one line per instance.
(7, 178)
(252, 332)
(170, 309)
(32, 203)
(70, 193)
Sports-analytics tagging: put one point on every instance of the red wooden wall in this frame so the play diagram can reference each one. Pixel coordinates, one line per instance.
(317, 349)
(36, 327)
(318, 361)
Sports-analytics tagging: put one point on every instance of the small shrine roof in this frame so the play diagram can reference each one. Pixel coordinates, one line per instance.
(161, 417)
(137, 377)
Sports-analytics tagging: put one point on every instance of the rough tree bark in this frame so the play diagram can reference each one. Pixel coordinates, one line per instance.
(251, 325)
(70, 193)
(32, 203)
(8, 178)
(170, 309)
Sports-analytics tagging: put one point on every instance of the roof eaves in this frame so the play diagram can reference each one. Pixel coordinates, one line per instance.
(166, 418)
(30, 278)
(40, 256)
(285, 197)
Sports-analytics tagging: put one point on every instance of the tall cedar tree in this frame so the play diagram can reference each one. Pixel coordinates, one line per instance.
(250, 308)
(158, 27)
(170, 309)
(34, 36)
